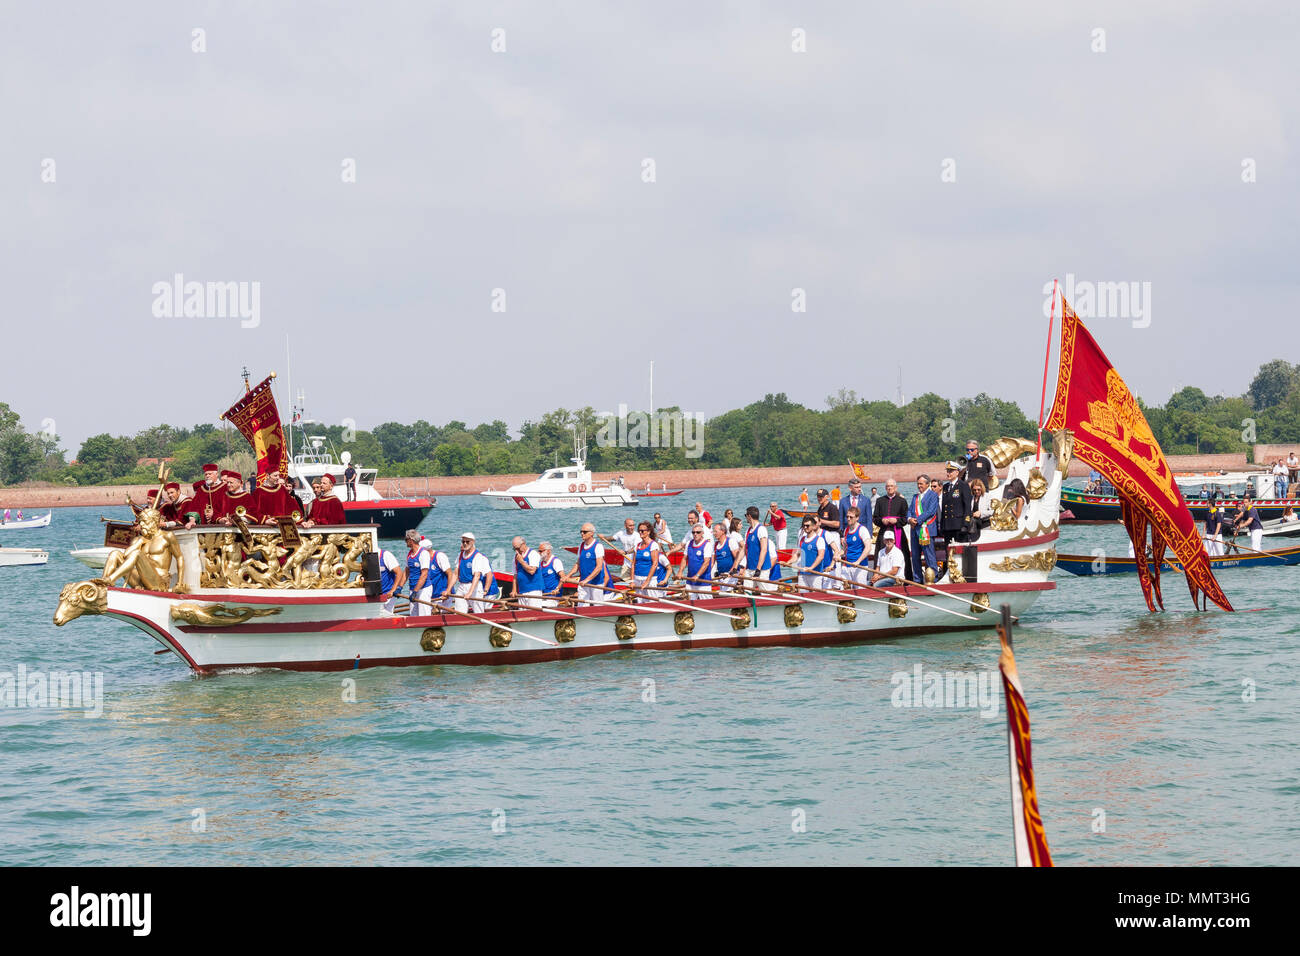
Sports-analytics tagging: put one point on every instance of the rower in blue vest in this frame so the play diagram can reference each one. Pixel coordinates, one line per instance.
(474, 577)
(775, 574)
(528, 574)
(758, 562)
(591, 574)
(391, 578)
(725, 552)
(441, 580)
(645, 562)
(552, 574)
(813, 553)
(857, 550)
(417, 575)
(697, 569)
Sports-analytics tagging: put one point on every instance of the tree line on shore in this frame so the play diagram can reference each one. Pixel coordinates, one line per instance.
(767, 433)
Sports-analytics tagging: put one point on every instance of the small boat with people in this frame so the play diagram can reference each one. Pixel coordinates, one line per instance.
(1096, 501)
(14, 557)
(14, 523)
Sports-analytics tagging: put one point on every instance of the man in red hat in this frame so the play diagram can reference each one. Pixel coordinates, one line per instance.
(207, 494)
(234, 497)
(274, 500)
(174, 507)
(326, 509)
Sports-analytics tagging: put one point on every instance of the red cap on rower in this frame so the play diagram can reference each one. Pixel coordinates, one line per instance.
(209, 467)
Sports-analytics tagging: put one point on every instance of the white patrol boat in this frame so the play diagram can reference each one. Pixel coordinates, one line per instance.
(571, 486)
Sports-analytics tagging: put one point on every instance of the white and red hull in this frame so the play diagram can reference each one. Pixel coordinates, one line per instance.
(351, 632)
(509, 501)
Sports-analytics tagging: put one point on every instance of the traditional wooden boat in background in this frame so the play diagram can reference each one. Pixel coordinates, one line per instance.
(1088, 564)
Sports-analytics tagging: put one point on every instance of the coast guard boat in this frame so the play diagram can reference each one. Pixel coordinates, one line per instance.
(570, 486)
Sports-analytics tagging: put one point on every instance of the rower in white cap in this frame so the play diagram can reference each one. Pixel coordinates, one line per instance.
(474, 577)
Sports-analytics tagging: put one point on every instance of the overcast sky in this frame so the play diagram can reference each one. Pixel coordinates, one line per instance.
(522, 170)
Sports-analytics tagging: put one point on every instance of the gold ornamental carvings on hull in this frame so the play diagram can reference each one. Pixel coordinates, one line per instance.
(216, 615)
(1036, 561)
(319, 561)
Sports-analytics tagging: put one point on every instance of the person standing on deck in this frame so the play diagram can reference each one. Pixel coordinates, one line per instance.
(417, 574)
(855, 499)
(923, 520)
(725, 553)
(528, 573)
(828, 517)
(326, 509)
(474, 577)
(955, 511)
(697, 570)
(590, 573)
(815, 554)
(392, 575)
(552, 574)
(758, 561)
(890, 515)
(857, 550)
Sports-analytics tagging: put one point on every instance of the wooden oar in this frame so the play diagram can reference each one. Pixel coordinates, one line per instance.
(905, 597)
(482, 620)
(776, 598)
(650, 608)
(812, 600)
(684, 607)
(1242, 547)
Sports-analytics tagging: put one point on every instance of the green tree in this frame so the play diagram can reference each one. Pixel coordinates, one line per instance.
(1272, 383)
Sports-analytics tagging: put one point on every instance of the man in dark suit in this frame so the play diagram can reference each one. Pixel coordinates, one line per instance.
(954, 510)
(855, 499)
(890, 516)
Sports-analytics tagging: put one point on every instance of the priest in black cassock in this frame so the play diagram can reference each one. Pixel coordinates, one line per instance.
(890, 516)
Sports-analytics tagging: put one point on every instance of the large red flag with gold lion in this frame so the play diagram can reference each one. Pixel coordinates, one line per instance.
(258, 420)
(1112, 435)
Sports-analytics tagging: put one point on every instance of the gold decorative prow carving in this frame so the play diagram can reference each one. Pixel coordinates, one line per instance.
(979, 603)
(216, 615)
(625, 627)
(1037, 484)
(499, 636)
(566, 630)
(846, 612)
(740, 619)
(898, 607)
(1006, 450)
(147, 562)
(683, 622)
(954, 569)
(794, 615)
(81, 597)
(432, 639)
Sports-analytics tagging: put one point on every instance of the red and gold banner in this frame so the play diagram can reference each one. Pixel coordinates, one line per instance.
(859, 471)
(1112, 435)
(258, 420)
(1027, 822)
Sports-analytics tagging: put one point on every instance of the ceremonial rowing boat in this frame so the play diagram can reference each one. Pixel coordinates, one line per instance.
(226, 598)
(1088, 564)
(1228, 489)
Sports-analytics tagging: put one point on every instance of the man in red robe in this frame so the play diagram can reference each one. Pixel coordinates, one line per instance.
(207, 495)
(174, 507)
(274, 500)
(326, 509)
(233, 498)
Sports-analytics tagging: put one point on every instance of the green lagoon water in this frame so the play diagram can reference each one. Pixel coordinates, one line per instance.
(743, 756)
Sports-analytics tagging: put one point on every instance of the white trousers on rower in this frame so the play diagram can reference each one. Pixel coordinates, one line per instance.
(530, 599)
(699, 592)
(1257, 538)
(588, 593)
(780, 538)
(858, 575)
(420, 601)
(811, 581)
(463, 592)
(761, 582)
(651, 592)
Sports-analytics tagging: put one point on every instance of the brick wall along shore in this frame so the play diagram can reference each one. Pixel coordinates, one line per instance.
(63, 496)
